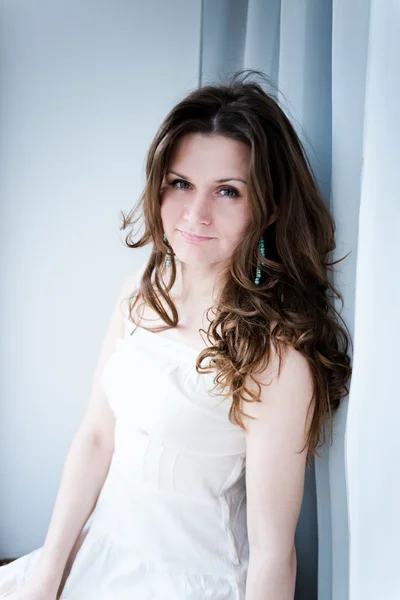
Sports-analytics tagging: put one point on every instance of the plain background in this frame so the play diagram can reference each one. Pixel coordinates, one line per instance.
(84, 86)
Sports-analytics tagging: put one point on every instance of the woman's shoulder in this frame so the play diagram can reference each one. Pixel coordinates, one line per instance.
(132, 279)
(129, 288)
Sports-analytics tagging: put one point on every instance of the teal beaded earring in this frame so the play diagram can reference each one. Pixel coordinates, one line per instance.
(262, 250)
(168, 258)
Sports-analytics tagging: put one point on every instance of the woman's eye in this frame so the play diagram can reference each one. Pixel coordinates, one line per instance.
(235, 193)
(174, 183)
(232, 192)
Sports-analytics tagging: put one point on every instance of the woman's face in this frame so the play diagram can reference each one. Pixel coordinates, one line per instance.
(193, 199)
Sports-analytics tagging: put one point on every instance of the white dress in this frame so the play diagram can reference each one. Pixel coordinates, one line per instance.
(170, 520)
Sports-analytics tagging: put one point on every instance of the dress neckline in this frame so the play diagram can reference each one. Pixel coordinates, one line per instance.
(165, 340)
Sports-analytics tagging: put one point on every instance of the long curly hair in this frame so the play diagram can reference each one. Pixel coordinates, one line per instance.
(294, 301)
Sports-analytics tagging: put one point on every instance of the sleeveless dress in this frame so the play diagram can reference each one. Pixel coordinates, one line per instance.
(170, 520)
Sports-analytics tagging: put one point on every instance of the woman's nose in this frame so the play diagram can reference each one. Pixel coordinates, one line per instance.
(198, 207)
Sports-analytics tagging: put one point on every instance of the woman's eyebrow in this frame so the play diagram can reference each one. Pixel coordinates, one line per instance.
(217, 181)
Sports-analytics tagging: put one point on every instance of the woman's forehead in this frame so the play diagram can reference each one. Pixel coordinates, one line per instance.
(224, 157)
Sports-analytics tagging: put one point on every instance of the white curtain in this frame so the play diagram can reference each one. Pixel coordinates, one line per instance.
(336, 63)
(372, 436)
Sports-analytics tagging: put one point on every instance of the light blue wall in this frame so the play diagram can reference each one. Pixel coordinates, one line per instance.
(83, 88)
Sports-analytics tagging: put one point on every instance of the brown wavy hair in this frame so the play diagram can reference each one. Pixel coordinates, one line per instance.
(294, 301)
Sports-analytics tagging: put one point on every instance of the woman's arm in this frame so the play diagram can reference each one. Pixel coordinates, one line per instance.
(275, 475)
(82, 478)
(86, 467)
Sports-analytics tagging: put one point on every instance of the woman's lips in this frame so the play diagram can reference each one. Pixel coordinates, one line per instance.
(194, 238)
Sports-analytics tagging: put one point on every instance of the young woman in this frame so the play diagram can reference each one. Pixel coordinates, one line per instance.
(223, 357)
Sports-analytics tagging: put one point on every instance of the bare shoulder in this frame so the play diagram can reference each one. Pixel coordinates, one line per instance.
(131, 280)
(286, 386)
(129, 286)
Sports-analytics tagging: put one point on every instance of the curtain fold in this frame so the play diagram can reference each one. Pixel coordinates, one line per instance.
(372, 438)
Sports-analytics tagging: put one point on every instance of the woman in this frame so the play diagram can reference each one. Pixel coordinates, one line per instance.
(185, 478)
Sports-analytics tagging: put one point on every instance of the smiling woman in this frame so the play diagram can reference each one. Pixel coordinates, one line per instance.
(193, 453)
(263, 274)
